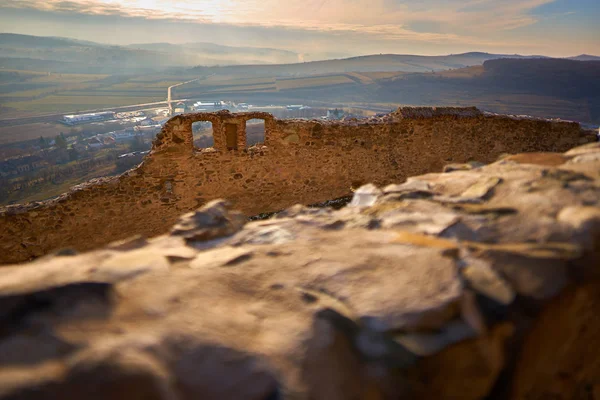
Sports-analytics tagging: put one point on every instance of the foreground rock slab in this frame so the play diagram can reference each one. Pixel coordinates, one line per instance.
(480, 282)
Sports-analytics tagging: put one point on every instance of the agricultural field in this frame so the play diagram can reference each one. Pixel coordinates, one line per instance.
(313, 81)
(30, 93)
(224, 85)
(71, 103)
(234, 84)
(469, 72)
(14, 82)
(35, 93)
(382, 75)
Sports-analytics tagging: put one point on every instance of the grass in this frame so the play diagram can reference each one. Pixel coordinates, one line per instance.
(235, 80)
(199, 91)
(129, 85)
(75, 92)
(360, 77)
(469, 72)
(67, 78)
(46, 91)
(382, 75)
(72, 103)
(309, 82)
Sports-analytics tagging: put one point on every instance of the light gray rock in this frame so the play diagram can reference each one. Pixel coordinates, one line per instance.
(399, 296)
(366, 196)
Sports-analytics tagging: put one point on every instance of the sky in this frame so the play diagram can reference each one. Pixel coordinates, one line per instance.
(336, 27)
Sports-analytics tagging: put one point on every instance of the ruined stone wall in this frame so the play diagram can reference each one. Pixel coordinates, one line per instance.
(300, 162)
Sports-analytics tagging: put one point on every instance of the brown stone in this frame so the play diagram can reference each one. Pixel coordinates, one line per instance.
(340, 156)
(387, 298)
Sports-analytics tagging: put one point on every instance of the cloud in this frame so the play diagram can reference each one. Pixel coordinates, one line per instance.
(349, 26)
(387, 17)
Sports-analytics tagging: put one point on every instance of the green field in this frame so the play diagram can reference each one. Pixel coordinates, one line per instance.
(67, 103)
(36, 93)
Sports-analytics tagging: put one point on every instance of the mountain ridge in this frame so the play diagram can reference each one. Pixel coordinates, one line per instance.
(207, 54)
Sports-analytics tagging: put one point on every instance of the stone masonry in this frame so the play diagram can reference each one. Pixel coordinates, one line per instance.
(481, 282)
(300, 162)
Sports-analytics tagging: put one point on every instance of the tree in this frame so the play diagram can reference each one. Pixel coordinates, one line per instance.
(137, 144)
(60, 141)
(43, 142)
(73, 154)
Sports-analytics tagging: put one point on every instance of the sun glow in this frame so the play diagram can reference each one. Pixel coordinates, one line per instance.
(466, 23)
(206, 10)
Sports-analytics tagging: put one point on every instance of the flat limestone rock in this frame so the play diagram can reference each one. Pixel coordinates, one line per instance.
(475, 284)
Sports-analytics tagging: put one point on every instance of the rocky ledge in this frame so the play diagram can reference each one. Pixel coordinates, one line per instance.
(479, 282)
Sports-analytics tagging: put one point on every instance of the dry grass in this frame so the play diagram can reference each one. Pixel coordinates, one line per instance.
(67, 78)
(163, 85)
(382, 75)
(313, 81)
(470, 72)
(47, 91)
(73, 103)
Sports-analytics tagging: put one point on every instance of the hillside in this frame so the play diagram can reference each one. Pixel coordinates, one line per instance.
(63, 55)
(74, 56)
(71, 56)
(369, 63)
(214, 54)
(541, 87)
(585, 57)
(33, 80)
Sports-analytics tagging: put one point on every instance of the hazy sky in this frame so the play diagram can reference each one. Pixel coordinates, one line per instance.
(549, 27)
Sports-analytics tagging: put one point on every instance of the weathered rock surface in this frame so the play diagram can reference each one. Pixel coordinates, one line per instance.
(481, 282)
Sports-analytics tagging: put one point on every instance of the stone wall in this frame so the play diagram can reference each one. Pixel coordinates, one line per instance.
(479, 283)
(300, 162)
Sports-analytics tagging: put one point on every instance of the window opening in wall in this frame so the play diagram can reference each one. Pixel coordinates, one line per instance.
(203, 134)
(231, 136)
(255, 132)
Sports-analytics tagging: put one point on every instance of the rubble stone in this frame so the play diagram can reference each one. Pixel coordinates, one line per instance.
(396, 298)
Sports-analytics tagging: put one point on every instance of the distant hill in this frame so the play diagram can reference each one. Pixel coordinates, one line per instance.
(213, 54)
(553, 77)
(369, 63)
(542, 87)
(13, 40)
(585, 57)
(65, 55)
(75, 56)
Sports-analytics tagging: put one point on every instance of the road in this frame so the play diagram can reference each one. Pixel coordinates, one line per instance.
(169, 98)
